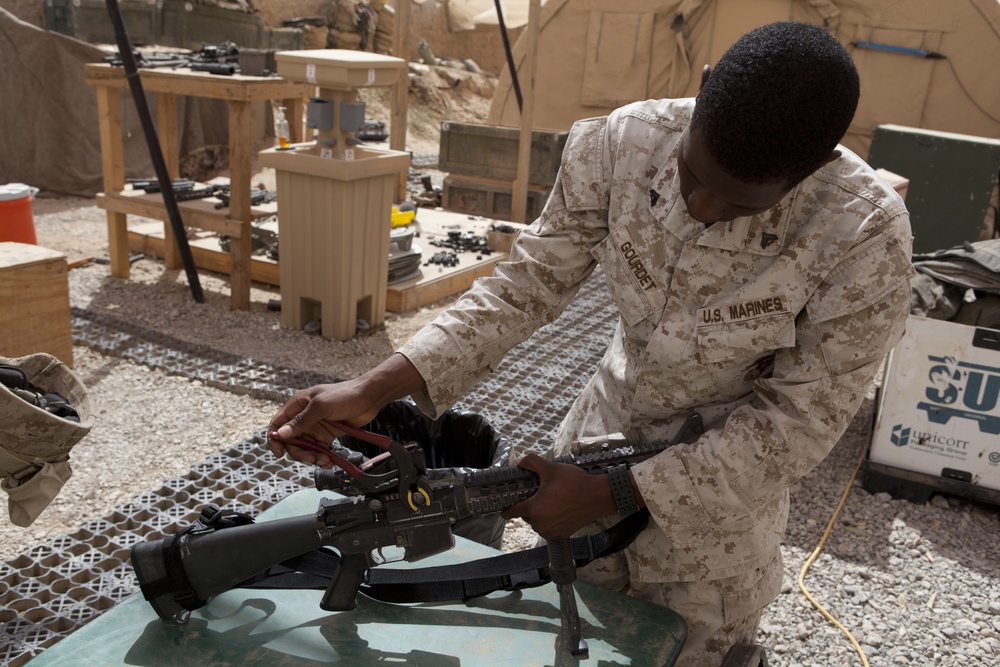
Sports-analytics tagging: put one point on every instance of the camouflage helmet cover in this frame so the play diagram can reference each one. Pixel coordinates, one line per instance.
(34, 443)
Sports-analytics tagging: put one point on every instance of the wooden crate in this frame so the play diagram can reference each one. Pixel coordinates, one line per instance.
(488, 197)
(34, 290)
(491, 151)
(433, 283)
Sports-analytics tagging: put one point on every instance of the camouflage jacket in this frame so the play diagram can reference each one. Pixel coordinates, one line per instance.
(772, 327)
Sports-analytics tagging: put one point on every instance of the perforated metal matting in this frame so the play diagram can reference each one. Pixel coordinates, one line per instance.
(223, 370)
(51, 590)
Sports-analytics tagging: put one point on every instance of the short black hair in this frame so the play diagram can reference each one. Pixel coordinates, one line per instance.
(777, 103)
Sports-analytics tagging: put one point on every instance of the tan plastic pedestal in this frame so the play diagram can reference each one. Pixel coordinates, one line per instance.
(335, 202)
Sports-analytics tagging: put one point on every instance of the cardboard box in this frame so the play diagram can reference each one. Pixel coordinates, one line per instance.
(898, 183)
(939, 408)
(339, 68)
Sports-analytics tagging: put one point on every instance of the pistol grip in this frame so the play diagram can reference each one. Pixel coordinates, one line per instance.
(342, 593)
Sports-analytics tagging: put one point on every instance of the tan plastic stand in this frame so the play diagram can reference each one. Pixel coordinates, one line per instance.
(335, 202)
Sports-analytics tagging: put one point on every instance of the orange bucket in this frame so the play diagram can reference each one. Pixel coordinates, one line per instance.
(16, 220)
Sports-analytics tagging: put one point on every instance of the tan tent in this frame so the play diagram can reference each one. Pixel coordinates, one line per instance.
(50, 137)
(594, 56)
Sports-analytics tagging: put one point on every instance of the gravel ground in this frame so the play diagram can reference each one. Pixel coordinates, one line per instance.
(916, 584)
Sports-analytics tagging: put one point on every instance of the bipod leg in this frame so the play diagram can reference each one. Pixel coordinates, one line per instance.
(562, 569)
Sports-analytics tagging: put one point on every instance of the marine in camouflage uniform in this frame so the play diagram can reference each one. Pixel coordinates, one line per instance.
(770, 326)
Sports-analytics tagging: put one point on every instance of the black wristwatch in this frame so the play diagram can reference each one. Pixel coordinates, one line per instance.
(621, 490)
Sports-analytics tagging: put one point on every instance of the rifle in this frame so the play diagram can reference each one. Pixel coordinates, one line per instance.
(388, 502)
(257, 196)
(153, 185)
(184, 189)
(222, 59)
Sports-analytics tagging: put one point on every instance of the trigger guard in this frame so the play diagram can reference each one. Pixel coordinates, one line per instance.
(382, 559)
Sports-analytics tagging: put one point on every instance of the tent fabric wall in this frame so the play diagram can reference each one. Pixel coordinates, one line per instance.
(960, 93)
(48, 118)
(594, 57)
(466, 14)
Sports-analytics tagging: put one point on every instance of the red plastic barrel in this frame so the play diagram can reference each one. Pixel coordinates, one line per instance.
(16, 220)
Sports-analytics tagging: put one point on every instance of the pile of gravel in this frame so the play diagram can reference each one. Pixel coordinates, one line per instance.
(916, 584)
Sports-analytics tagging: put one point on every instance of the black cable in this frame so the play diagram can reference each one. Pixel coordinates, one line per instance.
(510, 56)
(968, 94)
(933, 55)
(155, 152)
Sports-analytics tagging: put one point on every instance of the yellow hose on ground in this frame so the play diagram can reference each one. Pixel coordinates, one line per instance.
(815, 553)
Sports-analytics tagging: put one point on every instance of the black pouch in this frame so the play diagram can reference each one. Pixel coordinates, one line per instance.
(13, 377)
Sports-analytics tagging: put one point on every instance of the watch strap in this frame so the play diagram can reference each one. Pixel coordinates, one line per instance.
(621, 490)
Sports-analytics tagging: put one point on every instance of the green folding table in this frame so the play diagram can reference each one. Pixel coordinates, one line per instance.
(287, 627)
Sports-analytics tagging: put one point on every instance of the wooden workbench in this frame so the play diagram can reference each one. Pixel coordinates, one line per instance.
(240, 92)
(432, 283)
(436, 282)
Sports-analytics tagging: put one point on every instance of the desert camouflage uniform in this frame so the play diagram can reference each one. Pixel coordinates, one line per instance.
(772, 327)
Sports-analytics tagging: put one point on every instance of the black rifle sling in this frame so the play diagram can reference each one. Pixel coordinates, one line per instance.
(462, 581)
(310, 570)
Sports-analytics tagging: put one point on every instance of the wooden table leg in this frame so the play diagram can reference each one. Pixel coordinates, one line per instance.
(240, 166)
(166, 128)
(109, 111)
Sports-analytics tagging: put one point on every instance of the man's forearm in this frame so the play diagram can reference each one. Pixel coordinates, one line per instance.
(394, 378)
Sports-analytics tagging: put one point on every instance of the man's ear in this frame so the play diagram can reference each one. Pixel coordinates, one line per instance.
(705, 71)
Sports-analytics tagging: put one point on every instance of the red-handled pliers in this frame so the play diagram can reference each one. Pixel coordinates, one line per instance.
(354, 471)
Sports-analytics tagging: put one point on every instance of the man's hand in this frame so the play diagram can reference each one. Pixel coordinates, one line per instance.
(568, 498)
(307, 414)
(356, 402)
